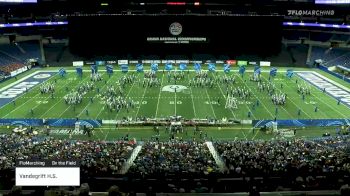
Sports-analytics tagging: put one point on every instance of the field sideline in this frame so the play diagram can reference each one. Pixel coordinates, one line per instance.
(195, 103)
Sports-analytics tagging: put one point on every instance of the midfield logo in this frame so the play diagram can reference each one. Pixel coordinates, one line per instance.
(173, 88)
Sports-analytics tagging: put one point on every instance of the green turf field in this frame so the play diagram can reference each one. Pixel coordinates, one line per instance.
(195, 102)
(231, 133)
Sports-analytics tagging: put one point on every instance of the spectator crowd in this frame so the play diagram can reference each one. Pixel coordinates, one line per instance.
(296, 160)
(174, 157)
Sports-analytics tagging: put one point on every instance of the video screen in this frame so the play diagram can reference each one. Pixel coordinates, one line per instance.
(332, 1)
(173, 34)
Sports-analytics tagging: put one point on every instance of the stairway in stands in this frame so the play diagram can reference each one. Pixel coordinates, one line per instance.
(216, 156)
(132, 158)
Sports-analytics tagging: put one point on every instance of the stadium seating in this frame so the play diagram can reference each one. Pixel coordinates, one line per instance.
(321, 37)
(165, 158)
(22, 51)
(8, 64)
(189, 166)
(330, 57)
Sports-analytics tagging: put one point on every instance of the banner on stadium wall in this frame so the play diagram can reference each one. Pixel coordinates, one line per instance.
(168, 61)
(71, 122)
(135, 61)
(219, 62)
(123, 62)
(196, 62)
(100, 63)
(23, 122)
(242, 63)
(231, 62)
(89, 62)
(252, 63)
(49, 122)
(303, 122)
(111, 62)
(146, 61)
(265, 63)
(182, 61)
(18, 71)
(78, 63)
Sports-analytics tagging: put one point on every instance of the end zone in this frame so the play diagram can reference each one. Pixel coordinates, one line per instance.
(14, 90)
(334, 89)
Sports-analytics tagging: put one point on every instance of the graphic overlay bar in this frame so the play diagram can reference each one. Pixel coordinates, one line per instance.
(305, 24)
(18, 1)
(47, 173)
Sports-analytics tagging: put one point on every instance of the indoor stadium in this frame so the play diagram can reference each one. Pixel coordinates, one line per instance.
(170, 98)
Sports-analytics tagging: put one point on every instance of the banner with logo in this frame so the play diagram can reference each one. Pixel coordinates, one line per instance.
(183, 66)
(109, 69)
(227, 68)
(78, 63)
(94, 69)
(241, 70)
(273, 71)
(124, 68)
(197, 67)
(211, 67)
(50, 122)
(62, 72)
(154, 66)
(139, 67)
(289, 73)
(303, 122)
(242, 63)
(123, 62)
(79, 71)
(168, 66)
(265, 63)
(231, 62)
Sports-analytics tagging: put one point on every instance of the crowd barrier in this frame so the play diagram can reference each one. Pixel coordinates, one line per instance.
(98, 123)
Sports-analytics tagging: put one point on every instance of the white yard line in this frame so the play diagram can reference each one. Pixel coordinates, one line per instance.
(71, 105)
(160, 91)
(194, 108)
(291, 116)
(234, 116)
(321, 99)
(140, 103)
(55, 103)
(17, 107)
(18, 81)
(211, 105)
(238, 76)
(87, 105)
(175, 103)
(331, 81)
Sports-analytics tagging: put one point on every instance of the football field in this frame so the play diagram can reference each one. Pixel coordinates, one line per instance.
(162, 100)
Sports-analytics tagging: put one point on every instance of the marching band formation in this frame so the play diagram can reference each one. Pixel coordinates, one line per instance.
(73, 98)
(47, 88)
(115, 99)
(304, 89)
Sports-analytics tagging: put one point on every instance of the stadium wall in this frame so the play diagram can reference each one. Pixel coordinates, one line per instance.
(303, 122)
(325, 69)
(50, 122)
